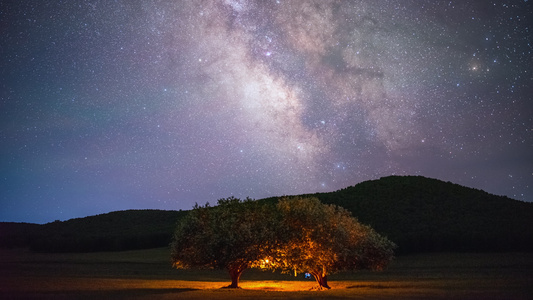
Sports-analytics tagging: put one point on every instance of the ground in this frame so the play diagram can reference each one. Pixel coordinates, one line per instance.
(146, 274)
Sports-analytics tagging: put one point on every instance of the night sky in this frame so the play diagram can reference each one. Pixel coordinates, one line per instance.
(114, 105)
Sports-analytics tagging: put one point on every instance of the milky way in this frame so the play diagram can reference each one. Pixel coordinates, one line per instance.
(112, 105)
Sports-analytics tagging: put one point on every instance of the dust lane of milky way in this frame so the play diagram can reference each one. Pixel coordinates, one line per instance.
(160, 104)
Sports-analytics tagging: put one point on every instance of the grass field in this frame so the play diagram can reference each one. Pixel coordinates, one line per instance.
(146, 274)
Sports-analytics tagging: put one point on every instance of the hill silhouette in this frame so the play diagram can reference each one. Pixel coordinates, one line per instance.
(417, 213)
(114, 231)
(422, 214)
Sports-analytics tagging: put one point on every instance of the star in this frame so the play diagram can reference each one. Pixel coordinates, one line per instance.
(161, 105)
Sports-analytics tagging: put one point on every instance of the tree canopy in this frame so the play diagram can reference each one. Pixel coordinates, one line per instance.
(232, 235)
(323, 239)
(295, 235)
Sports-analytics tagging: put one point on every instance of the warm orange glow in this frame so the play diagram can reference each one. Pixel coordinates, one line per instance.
(275, 285)
(264, 263)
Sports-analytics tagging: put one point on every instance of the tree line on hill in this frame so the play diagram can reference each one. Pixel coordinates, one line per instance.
(428, 215)
(115, 231)
(418, 214)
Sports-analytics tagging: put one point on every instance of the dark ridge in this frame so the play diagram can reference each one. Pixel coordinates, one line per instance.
(114, 231)
(426, 215)
(417, 213)
(14, 235)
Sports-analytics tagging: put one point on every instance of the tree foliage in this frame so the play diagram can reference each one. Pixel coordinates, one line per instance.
(323, 239)
(295, 235)
(233, 235)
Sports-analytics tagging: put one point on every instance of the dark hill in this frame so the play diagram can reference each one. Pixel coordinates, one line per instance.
(17, 234)
(115, 231)
(419, 214)
(423, 214)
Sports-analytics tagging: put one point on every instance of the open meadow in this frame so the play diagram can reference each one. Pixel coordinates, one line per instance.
(146, 274)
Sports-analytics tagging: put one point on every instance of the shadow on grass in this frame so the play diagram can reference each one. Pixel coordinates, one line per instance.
(379, 286)
(97, 294)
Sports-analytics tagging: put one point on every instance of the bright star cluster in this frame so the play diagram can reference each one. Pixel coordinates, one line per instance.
(112, 105)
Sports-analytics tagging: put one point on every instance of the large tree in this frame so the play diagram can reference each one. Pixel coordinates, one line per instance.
(295, 235)
(323, 239)
(234, 235)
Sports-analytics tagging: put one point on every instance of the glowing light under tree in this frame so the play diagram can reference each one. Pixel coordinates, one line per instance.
(295, 235)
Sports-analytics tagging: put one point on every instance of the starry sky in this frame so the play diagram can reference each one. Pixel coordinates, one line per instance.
(113, 105)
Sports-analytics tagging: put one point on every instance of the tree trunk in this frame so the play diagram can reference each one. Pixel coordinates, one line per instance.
(322, 280)
(235, 275)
